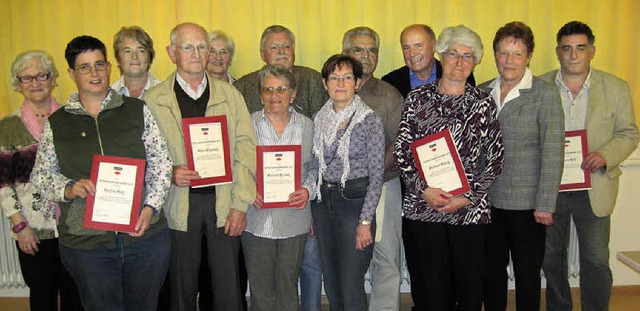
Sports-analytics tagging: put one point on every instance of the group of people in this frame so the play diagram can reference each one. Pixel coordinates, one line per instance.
(362, 196)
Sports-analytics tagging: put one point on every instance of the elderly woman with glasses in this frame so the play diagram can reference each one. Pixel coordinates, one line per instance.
(274, 238)
(33, 218)
(349, 147)
(113, 270)
(444, 235)
(221, 53)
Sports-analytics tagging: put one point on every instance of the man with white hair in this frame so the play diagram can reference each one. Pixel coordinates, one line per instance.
(214, 213)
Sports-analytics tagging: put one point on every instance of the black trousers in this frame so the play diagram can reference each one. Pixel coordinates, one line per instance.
(205, 301)
(446, 265)
(222, 254)
(45, 275)
(516, 233)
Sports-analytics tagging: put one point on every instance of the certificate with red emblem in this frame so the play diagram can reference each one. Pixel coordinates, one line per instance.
(439, 164)
(116, 203)
(279, 170)
(575, 150)
(206, 142)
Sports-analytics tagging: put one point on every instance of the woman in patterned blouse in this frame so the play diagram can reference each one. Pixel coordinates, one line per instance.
(349, 147)
(33, 218)
(444, 234)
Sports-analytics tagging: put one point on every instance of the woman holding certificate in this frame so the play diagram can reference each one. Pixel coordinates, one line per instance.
(278, 221)
(443, 226)
(114, 270)
(349, 147)
(33, 218)
(524, 195)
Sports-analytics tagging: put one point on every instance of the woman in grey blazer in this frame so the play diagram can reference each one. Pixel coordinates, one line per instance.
(524, 195)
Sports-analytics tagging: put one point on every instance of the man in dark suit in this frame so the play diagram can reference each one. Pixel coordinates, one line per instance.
(417, 42)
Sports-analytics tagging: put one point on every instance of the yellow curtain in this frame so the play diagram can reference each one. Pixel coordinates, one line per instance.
(318, 26)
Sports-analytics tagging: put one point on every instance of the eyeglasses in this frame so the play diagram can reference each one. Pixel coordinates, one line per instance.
(86, 68)
(268, 90)
(39, 77)
(220, 53)
(454, 56)
(360, 50)
(345, 79)
(189, 48)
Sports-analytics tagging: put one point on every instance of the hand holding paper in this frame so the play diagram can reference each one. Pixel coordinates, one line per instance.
(258, 202)
(298, 199)
(593, 162)
(182, 176)
(455, 203)
(436, 197)
(80, 190)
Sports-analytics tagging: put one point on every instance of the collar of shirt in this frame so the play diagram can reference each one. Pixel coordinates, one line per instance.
(416, 82)
(74, 105)
(230, 79)
(265, 138)
(525, 83)
(119, 86)
(575, 108)
(195, 94)
(585, 86)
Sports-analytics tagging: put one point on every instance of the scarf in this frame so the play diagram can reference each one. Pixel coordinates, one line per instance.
(327, 124)
(31, 122)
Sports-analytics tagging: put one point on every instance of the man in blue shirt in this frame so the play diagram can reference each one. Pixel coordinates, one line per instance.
(417, 42)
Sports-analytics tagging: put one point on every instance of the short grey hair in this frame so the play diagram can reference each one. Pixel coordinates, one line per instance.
(174, 32)
(358, 31)
(275, 29)
(21, 63)
(278, 72)
(220, 35)
(460, 35)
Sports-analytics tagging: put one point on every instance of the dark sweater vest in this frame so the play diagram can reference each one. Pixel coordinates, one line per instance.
(193, 108)
(189, 107)
(116, 131)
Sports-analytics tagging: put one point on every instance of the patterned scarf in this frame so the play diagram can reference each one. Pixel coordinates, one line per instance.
(327, 124)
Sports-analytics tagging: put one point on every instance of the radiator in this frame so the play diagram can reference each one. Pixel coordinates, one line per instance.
(10, 275)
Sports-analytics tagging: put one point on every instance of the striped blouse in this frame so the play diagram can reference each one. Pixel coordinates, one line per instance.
(281, 223)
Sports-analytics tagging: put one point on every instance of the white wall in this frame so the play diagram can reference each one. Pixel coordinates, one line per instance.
(625, 222)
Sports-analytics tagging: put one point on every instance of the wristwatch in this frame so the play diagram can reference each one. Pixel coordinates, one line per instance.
(365, 222)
